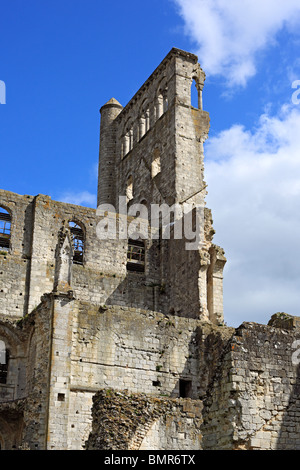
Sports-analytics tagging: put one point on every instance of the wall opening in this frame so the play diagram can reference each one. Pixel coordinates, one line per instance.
(78, 242)
(128, 139)
(4, 360)
(156, 383)
(162, 99)
(136, 256)
(185, 388)
(194, 95)
(5, 229)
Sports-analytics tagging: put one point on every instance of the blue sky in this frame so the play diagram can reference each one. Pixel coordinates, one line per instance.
(61, 61)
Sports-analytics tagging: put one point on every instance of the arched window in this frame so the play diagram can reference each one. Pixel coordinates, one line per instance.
(136, 255)
(5, 229)
(78, 242)
(144, 124)
(4, 359)
(128, 138)
(162, 99)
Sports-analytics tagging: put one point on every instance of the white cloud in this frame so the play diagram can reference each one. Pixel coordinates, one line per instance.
(230, 33)
(83, 198)
(254, 192)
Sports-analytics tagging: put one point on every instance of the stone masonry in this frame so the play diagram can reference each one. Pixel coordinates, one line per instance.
(119, 342)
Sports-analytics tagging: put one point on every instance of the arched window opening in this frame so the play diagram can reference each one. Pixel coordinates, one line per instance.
(195, 95)
(4, 360)
(136, 255)
(125, 145)
(5, 229)
(128, 138)
(78, 242)
(129, 189)
(144, 119)
(162, 98)
(144, 202)
(144, 123)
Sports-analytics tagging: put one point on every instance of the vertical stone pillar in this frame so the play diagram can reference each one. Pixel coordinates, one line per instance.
(60, 371)
(107, 153)
(215, 284)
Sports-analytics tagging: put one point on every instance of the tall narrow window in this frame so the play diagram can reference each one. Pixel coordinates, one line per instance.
(5, 229)
(4, 359)
(128, 138)
(136, 256)
(78, 242)
(195, 95)
(144, 122)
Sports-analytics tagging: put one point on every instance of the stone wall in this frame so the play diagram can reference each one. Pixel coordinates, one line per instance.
(68, 350)
(126, 421)
(253, 401)
(15, 264)
(190, 385)
(174, 277)
(249, 399)
(23, 416)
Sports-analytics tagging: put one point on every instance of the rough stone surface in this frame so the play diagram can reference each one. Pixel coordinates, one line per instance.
(127, 421)
(252, 402)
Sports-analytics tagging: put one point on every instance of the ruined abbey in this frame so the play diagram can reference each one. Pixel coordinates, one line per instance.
(112, 335)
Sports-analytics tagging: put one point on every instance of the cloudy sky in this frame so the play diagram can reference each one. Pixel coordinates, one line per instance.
(61, 60)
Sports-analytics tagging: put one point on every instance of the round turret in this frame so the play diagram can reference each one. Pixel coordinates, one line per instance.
(107, 152)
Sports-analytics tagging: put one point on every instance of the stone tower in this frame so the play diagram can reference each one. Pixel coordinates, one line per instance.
(151, 151)
(153, 148)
